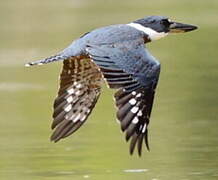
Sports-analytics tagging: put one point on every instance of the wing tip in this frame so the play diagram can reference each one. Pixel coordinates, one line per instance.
(54, 138)
(137, 140)
(146, 140)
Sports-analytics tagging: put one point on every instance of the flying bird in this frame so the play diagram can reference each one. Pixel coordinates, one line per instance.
(116, 54)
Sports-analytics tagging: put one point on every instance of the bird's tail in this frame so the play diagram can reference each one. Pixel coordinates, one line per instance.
(46, 60)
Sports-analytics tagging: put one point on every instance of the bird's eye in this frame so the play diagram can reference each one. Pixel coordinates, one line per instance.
(165, 22)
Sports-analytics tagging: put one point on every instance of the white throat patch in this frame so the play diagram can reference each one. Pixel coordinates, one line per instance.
(152, 34)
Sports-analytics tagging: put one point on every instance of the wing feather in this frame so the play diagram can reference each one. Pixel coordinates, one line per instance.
(131, 69)
(78, 93)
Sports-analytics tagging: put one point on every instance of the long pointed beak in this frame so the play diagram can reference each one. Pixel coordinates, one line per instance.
(176, 27)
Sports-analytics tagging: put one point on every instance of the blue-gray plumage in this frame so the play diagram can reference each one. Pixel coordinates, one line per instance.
(117, 54)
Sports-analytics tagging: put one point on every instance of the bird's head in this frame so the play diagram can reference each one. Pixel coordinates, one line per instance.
(157, 27)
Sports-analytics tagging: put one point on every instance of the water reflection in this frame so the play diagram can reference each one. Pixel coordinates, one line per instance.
(135, 170)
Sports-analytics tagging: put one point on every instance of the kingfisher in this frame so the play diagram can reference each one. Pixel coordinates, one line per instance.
(117, 55)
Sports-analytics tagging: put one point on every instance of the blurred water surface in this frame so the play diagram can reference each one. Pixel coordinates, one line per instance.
(183, 131)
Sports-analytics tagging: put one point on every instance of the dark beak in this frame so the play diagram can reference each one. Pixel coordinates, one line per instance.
(176, 27)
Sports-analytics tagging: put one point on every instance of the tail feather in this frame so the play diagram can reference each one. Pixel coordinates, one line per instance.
(47, 60)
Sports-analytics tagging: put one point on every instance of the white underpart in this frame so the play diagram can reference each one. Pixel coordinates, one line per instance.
(152, 34)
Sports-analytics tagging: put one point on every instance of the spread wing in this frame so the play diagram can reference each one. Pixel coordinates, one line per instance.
(80, 83)
(129, 67)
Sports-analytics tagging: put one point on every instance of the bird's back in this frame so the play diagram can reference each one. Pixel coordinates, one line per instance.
(112, 34)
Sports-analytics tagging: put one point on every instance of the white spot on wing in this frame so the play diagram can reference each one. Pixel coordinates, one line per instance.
(135, 120)
(133, 93)
(70, 91)
(144, 128)
(88, 111)
(77, 118)
(77, 93)
(139, 113)
(83, 118)
(85, 108)
(70, 99)
(79, 86)
(132, 101)
(134, 109)
(139, 95)
(68, 108)
(153, 35)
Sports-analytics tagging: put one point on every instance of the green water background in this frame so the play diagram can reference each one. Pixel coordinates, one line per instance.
(183, 131)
